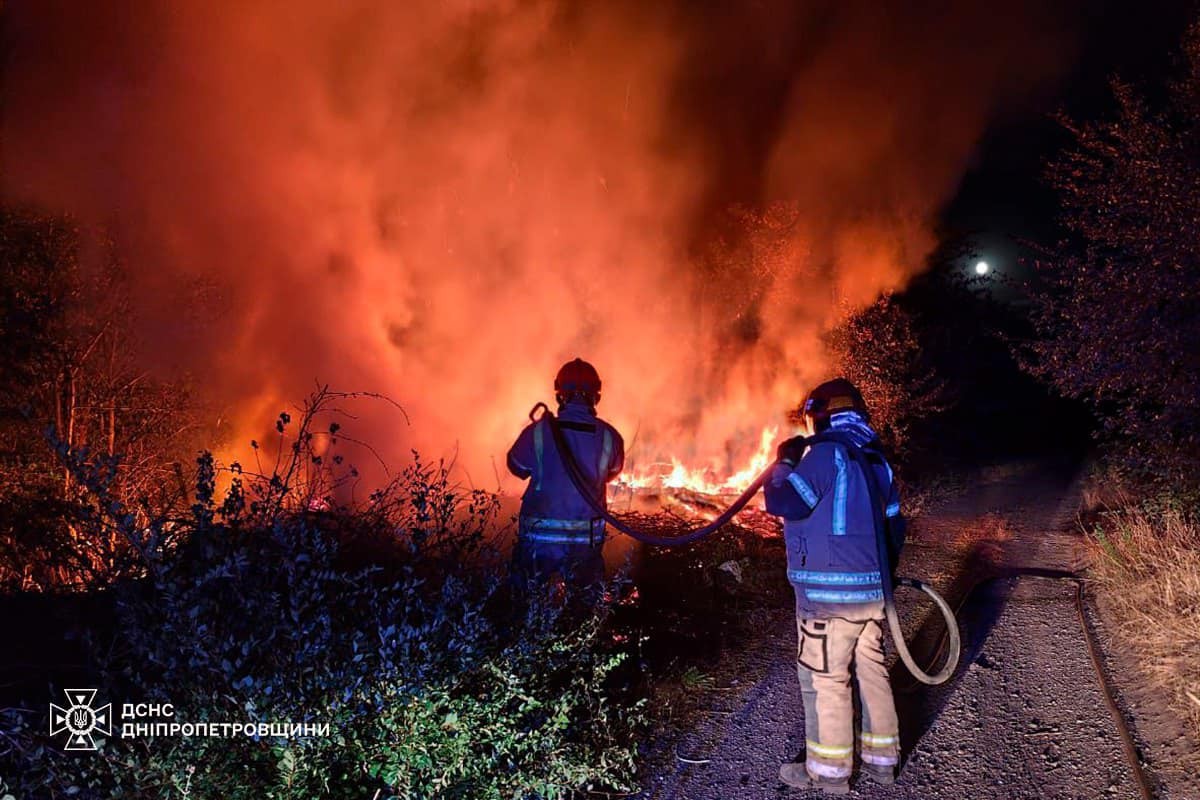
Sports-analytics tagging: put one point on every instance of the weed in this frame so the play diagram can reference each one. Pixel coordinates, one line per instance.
(1147, 570)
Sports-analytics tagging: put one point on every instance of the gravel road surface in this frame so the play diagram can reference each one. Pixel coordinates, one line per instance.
(1025, 718)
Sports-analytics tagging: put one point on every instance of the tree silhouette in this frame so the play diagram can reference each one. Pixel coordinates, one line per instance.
(1120, 314)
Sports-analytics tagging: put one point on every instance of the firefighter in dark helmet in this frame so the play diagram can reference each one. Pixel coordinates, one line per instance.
(834, 567)
(559, 535)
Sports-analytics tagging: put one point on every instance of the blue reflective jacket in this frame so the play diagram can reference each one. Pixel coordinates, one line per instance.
(552, 510)
(829, 526)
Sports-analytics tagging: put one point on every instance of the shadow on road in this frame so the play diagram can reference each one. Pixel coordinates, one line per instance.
(918, 705)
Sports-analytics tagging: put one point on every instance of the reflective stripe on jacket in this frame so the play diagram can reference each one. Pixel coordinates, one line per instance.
(829, 527)
(550, 495)
(562, 531)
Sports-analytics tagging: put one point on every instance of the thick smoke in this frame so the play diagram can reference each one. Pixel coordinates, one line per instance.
(442, 201)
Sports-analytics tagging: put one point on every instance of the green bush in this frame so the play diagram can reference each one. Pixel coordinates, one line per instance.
(392, 622)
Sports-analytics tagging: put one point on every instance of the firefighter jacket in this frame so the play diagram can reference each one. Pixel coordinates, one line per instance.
(552, 510)
(829, 526)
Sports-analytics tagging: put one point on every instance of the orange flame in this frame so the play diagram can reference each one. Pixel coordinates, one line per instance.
(706, 478)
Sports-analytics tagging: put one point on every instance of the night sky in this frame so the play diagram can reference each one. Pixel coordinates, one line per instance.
(1003, 199)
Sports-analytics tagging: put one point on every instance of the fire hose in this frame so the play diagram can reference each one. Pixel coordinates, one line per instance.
(953, 638)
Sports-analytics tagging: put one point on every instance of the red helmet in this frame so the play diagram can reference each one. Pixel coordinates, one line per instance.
(577, 380)
(828, 399)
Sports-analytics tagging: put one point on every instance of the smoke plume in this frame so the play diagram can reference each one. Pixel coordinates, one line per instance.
(442, 201)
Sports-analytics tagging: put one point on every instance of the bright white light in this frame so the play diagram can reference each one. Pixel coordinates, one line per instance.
(982, 268)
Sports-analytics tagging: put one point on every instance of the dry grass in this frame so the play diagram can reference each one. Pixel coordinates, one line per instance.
(990, 528)
(1147, 567)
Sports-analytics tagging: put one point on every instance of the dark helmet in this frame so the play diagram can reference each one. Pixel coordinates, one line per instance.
(577, 380)
(831, 398)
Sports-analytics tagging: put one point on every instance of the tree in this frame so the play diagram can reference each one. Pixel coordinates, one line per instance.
(878, 349)
(68, 364)
(1119, 319)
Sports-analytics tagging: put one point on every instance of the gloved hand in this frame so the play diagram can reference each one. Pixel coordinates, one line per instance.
(792, 450)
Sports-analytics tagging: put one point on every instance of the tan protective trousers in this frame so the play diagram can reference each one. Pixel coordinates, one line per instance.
(830, 651)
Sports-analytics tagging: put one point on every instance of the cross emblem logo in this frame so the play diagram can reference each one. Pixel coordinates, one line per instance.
(80, 719)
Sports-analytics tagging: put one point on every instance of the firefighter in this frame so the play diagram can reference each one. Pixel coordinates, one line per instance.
(834, 567)
(559, 537)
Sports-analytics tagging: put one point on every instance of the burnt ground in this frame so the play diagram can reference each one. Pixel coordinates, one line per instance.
(1024, 717)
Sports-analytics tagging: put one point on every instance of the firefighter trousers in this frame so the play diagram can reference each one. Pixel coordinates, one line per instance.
(834, 652)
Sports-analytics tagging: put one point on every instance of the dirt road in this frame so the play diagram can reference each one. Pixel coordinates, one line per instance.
(1025, 718)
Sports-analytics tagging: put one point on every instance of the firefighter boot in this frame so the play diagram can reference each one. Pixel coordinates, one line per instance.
(881, 774)
(796, 775)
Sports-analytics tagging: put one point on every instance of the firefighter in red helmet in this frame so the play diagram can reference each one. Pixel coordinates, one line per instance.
(559, 533)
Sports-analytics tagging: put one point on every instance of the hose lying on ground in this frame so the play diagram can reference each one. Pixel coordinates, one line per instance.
(582, 485)
(1128, 745)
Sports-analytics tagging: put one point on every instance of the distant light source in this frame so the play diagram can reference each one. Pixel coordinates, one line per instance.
(982, 268)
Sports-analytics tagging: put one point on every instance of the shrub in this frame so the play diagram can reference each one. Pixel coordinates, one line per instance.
(878, 349)
(391, 622)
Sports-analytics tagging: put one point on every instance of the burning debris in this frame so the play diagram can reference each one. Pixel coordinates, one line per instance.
(665, 510)
(672, 494)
